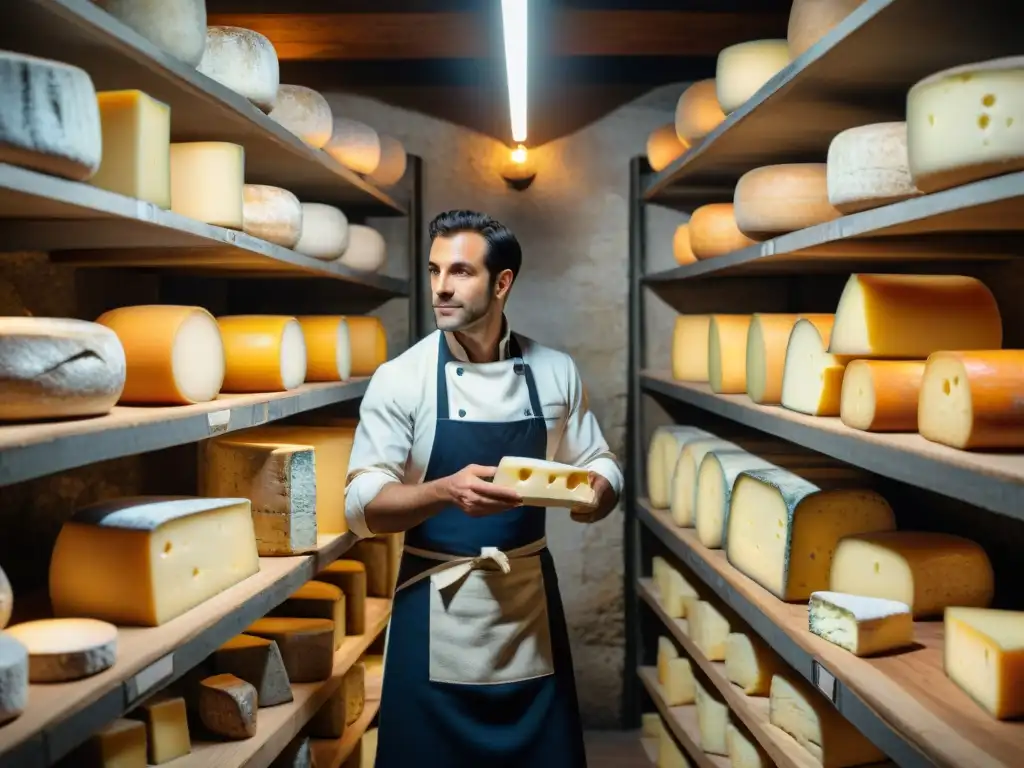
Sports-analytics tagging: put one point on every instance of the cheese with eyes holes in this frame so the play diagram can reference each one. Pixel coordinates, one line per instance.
(545, 483)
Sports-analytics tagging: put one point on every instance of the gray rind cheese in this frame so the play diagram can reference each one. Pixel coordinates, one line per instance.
(243, 61)
(257, 661)
(868, 167)
(298, 754)
(177, 27)
(13, 678)
(305, 113)
(227, 706)
(272, 214)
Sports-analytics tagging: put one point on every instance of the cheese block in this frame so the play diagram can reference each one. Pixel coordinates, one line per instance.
(545, 483)
(817, 726)
(142, 561)
(391, 168)
(709, 629)
(316, 600)
(329, 720)
(228, 707)
(727, 354)
(744, 751)
(976, 109)
(306, 645)
(257, 661)
(651, 725)
(354, 144)
(718, 472)
(677, 595)
(698, 112)
(662, 455)
(767, 341)
(57, 368)
(690, 348)
(810, 20)
(328, 347)
(262, 353)
(681, 249)
(166, 720)
(812, 378)
(13, 678)
(664, 146)
(669, 754)
(374, 554)
(298, 754)
(683, 493)
(272, 214)
(136, 147)
(174, 355)
(678, 688)
(60, 650)
(881, 395)
(970, 400)
(369, 344)
(366, 250)
(750, 663)
(350, 577)
(742, 70)
(714, 232)
(243, 61)
(864, 626)
(927, 571)
(868, 167)
(207, 182)
(712, 717)
(6, 599)
(658, 568)
(776, 199)
(367, 749)
(120, 744)
(667, 651)
(305, 113)
(784, 529)
(355, 692)
(325, 232)
(177, 27)
(984, 655)
(911, 316)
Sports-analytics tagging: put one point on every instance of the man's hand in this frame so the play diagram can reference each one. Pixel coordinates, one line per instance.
(604, 501)
(469, 490)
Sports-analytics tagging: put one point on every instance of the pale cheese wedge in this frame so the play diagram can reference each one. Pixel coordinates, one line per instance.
(682, 497)
(709, 628)
(545, 483)
(767, 341)
(864, 626)
(712, 718)
(812, 378)
(750, 663)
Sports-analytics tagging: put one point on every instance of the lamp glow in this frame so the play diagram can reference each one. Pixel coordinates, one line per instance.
(519, 155)
(514, 27)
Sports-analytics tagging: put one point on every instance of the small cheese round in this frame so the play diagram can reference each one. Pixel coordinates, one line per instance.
(776, 199)
(744, 68)
(325, 232)
(244, 61)
(713, 231)
(664, 146)
(328, 347)
(354, 144)
(681, 245)
(811, 20)
(698, 112)
(262, 353)
(207, 182)
(305, 113)
(272, 214)
(177, 27)
(366, 249)
(868, 168)
(13, 678)
(392, 164)
(60, 650)
(369, 344)
(6, 599)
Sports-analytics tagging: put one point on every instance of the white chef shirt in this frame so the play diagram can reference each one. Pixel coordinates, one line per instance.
(399, 410)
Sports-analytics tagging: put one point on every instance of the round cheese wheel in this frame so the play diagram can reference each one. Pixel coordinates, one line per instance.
(965, 124)
(369, 344)
(681, 245)
(811, 20)
(208, 182)
(354, 144)
(305, 113)
(262, 353)
(174, 354)
(177, 27)
(698, 112)
(325, 232)
(713, 231)
(744, 68)
(272, 214)
(867, 167)
(663, 146)
(244, 61)
(328, 347)
(60, 650)
(366, 249)
(6, 599)
(392, 164)
(776, 199)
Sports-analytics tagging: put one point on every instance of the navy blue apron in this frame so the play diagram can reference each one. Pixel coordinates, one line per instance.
(531, 723)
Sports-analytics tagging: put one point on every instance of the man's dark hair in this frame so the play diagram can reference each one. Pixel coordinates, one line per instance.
(503, 251)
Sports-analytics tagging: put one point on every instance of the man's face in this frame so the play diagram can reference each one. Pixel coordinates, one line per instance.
(459, 281)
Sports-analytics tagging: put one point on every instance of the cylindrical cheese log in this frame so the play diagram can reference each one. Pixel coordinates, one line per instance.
(354, 144)
(681, 245)
(328, 348)
(369, 344)
(713, 231)
(174, 355)
(810, 20)
(698, 112)
(325, 232)
(61, 650)
(972, 400)
(366, 250)
(777, 199)
(881, 395)
(272, 214)
(664, 146)
(392, 164)
(910, 316)
(177, 27)
(767, 341)
(690, 348)
(742, 70)
(262, 353)
(305, 113)
(244, 61)
(727, 354)
(662, 454)
(207, 182)
(964, 124)
(868, 167)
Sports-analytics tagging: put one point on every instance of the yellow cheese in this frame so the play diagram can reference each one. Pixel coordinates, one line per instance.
(544, 483)
(368, 342)
(354, 144)
(767, 341)
(713, 490)
(306, 645)
(714, 233)
(881, 395)
(227, 706)
(305, 113)
(742, 70)
(6, 599)
(709, 629)
(743, 751)
(727, 354)
(651, 725)
(297, 754)
(121, 744)
(676, 594)
(664, 146)
(262, 353)
(677, 685)
(681, 249)
(662, 455)
(984, 655)
(14, 673)
(242, 60)
(258, 661)
(316, 600)
(750, 663)
(272, 214)
(868, 167)
(810, 20)
(207, 182)
(60, 650)
(355, 691)
(669, 754)
(377, 555)
(712, 717)
(776, 199)
(683, 494)
(350, 577)
(927, 571)
(911, 316)
(667, 651)
(391, 167)
(328, 347)
(366, 250)
(812, 378)
(698, 112)
(861, 625)
(146, 560)
(166, 721)
(136, 147)
(690, 348)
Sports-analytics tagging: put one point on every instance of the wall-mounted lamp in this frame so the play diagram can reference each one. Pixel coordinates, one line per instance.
(519, 171)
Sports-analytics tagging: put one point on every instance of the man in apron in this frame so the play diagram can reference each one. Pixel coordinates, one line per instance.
(478, 671)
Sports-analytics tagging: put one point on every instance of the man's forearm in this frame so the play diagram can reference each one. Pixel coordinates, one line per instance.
(399, 507)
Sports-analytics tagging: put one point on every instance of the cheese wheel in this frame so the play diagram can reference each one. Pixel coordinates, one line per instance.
(6, 599)
(727, 354)
(776, 199)
(177, 27)
(713, 231)
(392, 164)
(662, 455)
(328, 348)
(174, 355)
(881, 395)
(812, 378)
(305, 113)
(698, 112)
(868, 167)
(262, 353)
(972, 400)
(49, 118)
(207, 182)
(690, 348)
(354, 144)
(13, 678)
(243, 61)
(60, 650)
(964, 124)
(767, 341)
(681, 245)
(366, 250)
(325, 232)
(810, 20)
(369, 343)
(742, 70)
(272, 214)
(664, 146)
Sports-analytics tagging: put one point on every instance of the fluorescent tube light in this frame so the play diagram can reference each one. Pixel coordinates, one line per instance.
(514, 25)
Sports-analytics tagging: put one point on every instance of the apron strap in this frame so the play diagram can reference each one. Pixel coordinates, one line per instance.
(454, 568)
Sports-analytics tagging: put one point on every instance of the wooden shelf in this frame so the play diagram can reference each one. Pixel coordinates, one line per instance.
(858, 73)
(115, 56)
(682, 721)
(993, 481)
(332, 753)
(903, 702)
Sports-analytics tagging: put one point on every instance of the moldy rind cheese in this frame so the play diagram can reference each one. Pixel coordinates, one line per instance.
(354, 144)
(664, 146)
(13, 678)
(713, 231)
(868, 167)
(881, 395)
(272, 214)
(392, 164)
(366, 250)
(262, 353)
(243, 61)
(305, 113)
(325, 232)
(776, 199)
(984, 655)
(177, 27)
(698, 112)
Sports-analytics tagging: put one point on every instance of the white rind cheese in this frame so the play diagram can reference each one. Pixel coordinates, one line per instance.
(742, 70)
(984, 655)
(272, 214)
(305, 113)
(354, 144)
(243, 61)
(868, 167)
(545, 483)
(861, 625)
(662, 455)
(366, 250)
(177, 27)
(718, 472)
(750, 663)
(6, 599)
(325, 232)
(61, 650)
(391, 168)
(13, 678)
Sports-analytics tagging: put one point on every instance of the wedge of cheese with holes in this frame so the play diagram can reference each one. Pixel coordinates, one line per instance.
(864, 626)
(690, 348)
(927, 571)
(177, 27)
(868, 167)
(369, 344)
(744, 68)
(61, 650)
(664, 146)
(393, 162)
(910, 316)
(881, 395)
(697, 111)
(712, 718)
(812, 377)
(677, 595)
(13, 678)
(354, 144)
(136, 147)
(984, 656)
(714, 233)
(325, 232)
(262, 353)
(173, 355)
(662, 455)
(709, 628)
(208, 182)
(272, 214)
(767, 341)
(971, 400)
(669, 754)
(681, 250)
(776, 199)
(811, 20)
(142, 561)
(743, 750)
(713, 490)
(6, 599)
(366, 251)
(328, 347)
(305, 113)
(244, 61)
(727, 354)
(783, 529)
(544, 483)
(316, 600)
(750, 663)
(683, 492)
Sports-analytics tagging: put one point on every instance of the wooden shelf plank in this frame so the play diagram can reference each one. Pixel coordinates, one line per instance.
(332, 753)
(993, 481)
(115, 56)
(682, 721)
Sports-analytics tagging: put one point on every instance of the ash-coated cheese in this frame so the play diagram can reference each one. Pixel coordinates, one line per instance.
(812, 378)
(306, 645)
(366, 250)
(664, 146)
(742, 70)
(298, 754)
(776, 199)
(142, 561)
(208, 182)
(709, 628)
(13, 678)
(727, 354)
(750, 663)
(544, 483)
(6, 599)
(257, 661)
(228, 707)
(810, 20)
(714, 232)
(262, 353)
(325, 232)
(305, 113)
(316, 600)
(369, 343)
(49, 119)
(166, 721)
(767, 342)
(715, 478)
(328, 347)
(868, 167)
(136, 147)
(683, 491)
(984, 655)
(243, 61)
(354, 144)
(272, 214)
(60, 650)
(177, 27)
(350, 577)
(662, 455)
(698, 112)
(690, 348)
(681, 249)
(881, 395)
(712, 717)
(392, 165)
(864, 626)
(743, 750)
(120, 743)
